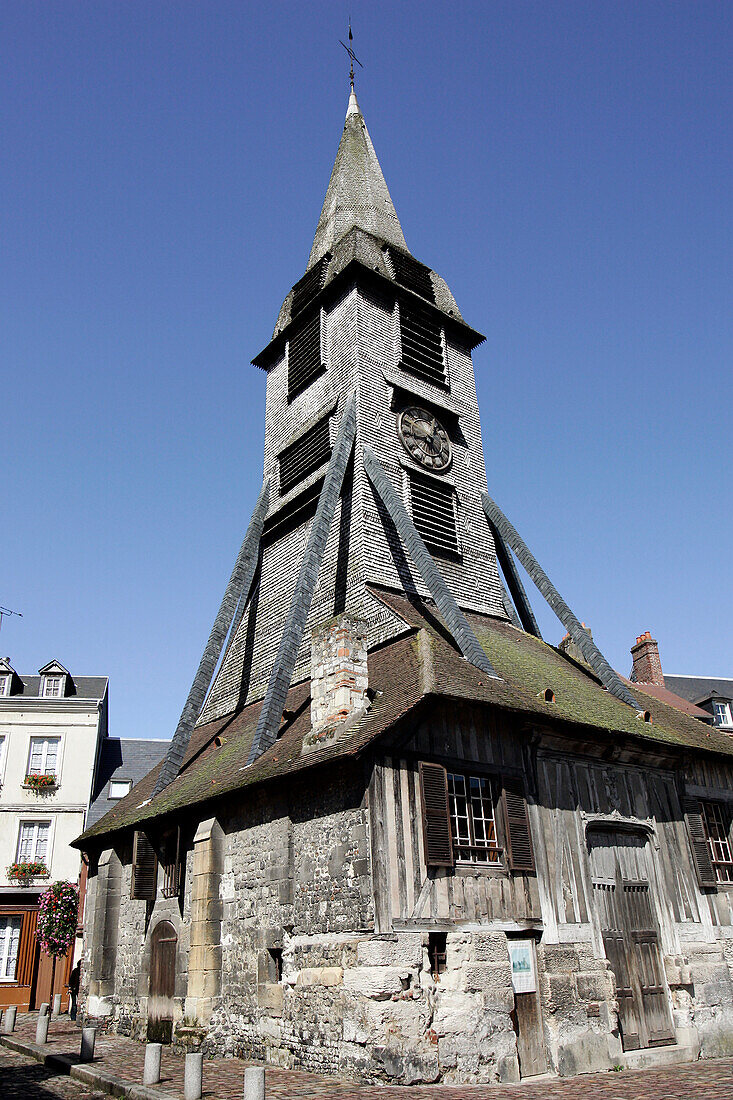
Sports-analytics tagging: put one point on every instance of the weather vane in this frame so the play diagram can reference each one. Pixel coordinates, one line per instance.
(352, 56)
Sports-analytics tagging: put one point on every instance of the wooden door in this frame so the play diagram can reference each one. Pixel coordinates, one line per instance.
(163, 945)
(624, 905)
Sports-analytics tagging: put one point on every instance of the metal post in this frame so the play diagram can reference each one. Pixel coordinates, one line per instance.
(56, 1004)
(151, 1069)
(254, 1083)
(42, 1029)
(88, 1039)
(9, 1020)
(193, 1076)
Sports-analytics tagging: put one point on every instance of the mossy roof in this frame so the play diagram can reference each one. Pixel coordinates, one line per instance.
(420, 664)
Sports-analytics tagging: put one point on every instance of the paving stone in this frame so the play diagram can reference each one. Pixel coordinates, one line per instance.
(24, 1079)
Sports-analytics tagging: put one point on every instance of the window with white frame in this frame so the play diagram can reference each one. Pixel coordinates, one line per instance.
(33, 838)
(3, 750)
(118, 788)
(5, 678)
(722, 712)
(53, 687)
(44, 756)
(473, 824)
(9, 942)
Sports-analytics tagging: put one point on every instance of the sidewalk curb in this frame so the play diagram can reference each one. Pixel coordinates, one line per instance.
(86, 1072)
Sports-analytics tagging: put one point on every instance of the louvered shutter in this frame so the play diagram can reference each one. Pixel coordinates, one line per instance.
(306, 288)
(144, 868)
(520, 854)
(436, 819)
(305, 456)
(27, 949)
(304, 355)
(173, 879)
(433, 514)
(411, 273)
(422, 342)
(699, 843)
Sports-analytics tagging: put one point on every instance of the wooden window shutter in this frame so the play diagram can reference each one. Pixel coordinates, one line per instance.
(174, 864)
(27, 949)
(436, 818)
(699, 843)
(144, 868)
(520, 854)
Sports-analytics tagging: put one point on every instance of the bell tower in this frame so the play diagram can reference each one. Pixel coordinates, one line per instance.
(374, 474)
(369, 321)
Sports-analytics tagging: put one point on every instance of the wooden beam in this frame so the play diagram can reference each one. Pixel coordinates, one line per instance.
(608, 677)
(456, 621)
(239, 582)
(282, 669)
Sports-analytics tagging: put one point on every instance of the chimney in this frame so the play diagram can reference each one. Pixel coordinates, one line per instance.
(569, 648)
(339, 676)
(647, 668)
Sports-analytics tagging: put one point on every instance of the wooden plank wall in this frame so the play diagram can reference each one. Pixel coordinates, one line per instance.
(569, 790)
(404, 890)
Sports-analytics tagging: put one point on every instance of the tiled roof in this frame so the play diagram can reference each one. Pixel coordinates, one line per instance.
(665, 695)
(421, 664)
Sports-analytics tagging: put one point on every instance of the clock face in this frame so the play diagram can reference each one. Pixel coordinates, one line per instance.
(424, 438)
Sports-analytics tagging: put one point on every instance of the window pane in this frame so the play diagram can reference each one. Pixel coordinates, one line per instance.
(118, 788)
(9, 941)
(42, 841)
(51, 756)
(25, 844)
(36, 758)
(716, 819)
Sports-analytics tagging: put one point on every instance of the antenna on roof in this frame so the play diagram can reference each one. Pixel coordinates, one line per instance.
(352, 56)
(7, 611)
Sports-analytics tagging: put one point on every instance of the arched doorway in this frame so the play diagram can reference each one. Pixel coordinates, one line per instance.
(163, 943)
(626, 909)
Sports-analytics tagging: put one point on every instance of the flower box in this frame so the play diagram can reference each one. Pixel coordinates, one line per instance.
(22, 872)
(40, 782)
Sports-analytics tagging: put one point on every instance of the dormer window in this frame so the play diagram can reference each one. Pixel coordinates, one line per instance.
(5, 679)
(52, 687)
(53, 680)
(722, 712)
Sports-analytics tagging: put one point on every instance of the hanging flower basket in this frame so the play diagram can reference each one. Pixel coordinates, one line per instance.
(23, 872)
(40, 782)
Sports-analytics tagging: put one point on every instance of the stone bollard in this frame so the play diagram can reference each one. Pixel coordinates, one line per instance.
(43, 1010)
(9, 1020)
(88, 1039)
(254, 1083)
(42, 1029)
(193, 1076)
(151, 1069)
(56, 1004)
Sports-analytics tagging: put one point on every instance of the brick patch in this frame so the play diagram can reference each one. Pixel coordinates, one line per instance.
(223, 1077)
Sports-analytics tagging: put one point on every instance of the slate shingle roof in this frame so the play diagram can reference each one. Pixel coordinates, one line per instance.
(81, 687)
(420, 665)
(699, 688)
(121, 758)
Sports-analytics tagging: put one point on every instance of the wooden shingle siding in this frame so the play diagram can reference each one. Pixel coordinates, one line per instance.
(306, 288)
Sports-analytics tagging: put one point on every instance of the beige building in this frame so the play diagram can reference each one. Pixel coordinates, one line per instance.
(51, 729)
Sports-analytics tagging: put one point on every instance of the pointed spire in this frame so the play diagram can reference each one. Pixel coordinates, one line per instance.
(357, 194)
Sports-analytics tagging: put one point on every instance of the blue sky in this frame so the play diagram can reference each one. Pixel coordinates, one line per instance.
(565, 166)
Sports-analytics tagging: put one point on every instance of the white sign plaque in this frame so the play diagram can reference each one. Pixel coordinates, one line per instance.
(521, 955)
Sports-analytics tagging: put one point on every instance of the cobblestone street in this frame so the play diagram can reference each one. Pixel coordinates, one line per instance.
(25, 1079)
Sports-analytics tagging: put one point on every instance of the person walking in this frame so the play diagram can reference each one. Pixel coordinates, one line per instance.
(73, 988)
